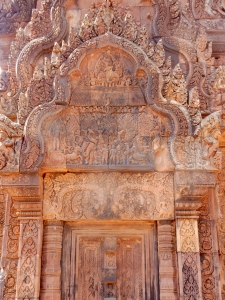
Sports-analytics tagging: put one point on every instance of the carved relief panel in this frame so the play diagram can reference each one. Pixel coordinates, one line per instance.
(106, 137)
(110, 263)
(146, 196)
(108, 121)
(108, 76)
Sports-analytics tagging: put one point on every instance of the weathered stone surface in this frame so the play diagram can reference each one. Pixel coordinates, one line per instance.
(108, 196)
(112, 150)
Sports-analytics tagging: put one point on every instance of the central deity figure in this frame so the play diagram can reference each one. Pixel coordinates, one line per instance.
(108, 70)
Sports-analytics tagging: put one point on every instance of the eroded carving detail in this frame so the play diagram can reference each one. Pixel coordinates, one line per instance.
(107, 196)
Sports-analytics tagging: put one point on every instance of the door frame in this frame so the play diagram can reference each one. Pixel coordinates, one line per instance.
(146, 230)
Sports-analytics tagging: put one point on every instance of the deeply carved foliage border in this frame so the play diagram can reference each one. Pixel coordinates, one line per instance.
(206, 251)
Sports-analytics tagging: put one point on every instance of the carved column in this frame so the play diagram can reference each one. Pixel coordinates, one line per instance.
(167, 261)
(51, 261)
(190, 282)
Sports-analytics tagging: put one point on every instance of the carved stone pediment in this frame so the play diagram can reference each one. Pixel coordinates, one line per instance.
(108, 196)
(112, 62)
(109, 73)
(108, 76)
(109, 122)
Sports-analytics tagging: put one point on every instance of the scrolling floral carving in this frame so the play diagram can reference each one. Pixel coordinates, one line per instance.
(108, 196)
(220, 192)
(12, 238)
(190, 273)
(26, 279)
(206, 251)
(2, 218)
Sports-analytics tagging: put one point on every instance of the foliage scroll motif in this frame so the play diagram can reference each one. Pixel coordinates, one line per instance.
(206, 251)
(12, 240)
(188, 249)
(2, 218)
(108, 196)
(187, 235)
(190, 276)
(220, 194)
(28, 260)
(187, 232)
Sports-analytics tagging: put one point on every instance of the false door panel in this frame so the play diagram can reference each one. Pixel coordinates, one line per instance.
(109, 264)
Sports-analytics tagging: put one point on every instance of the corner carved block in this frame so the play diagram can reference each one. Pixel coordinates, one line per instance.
(99, 196)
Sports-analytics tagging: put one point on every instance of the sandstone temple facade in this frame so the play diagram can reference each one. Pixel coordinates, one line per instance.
(112, 150)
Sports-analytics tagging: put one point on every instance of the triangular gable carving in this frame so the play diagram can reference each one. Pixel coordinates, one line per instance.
(135, 79)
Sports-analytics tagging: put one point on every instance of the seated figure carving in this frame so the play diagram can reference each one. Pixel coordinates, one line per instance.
(7, 154)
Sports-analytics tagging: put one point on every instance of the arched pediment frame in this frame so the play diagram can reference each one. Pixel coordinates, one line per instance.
(174, 116)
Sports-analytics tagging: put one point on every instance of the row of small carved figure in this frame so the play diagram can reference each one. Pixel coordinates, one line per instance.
(94, 150)
(109, 81)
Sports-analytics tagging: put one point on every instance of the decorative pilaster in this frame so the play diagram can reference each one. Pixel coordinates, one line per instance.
(30, 245)
(167, 261)
(28, 273)
(51, 261)
(190, 282)
(22, 236)
(9, 255)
